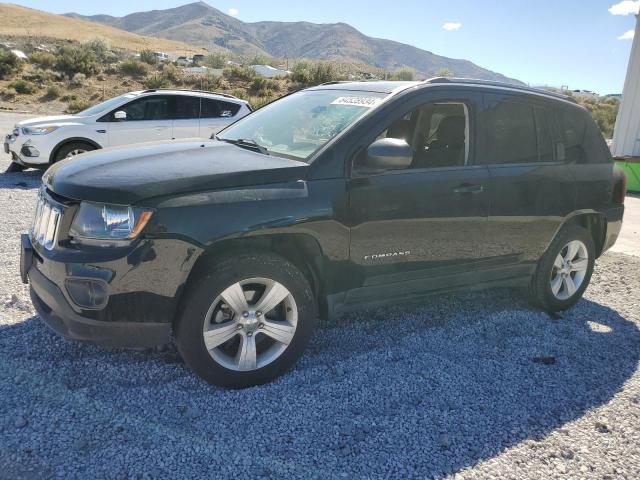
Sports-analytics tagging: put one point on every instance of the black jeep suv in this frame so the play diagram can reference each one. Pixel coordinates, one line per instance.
(336, 197)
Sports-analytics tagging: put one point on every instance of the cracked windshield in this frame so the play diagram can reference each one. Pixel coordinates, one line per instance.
(300, 124)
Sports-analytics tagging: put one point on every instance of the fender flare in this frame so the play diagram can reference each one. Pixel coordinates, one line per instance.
(576, 217)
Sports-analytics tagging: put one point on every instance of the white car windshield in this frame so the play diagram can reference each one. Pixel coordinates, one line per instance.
(106, 105)
(300, 124)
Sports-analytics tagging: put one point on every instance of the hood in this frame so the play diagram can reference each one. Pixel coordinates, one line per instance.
(130, 174)
(53, 120)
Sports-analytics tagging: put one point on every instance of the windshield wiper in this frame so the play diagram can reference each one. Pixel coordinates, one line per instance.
(245, 143)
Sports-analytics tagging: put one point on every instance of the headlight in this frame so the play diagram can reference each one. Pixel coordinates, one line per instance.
(39, 130)
(108, 222)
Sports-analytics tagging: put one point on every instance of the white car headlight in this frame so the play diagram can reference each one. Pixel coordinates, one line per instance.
(39, 130)
(100, 221)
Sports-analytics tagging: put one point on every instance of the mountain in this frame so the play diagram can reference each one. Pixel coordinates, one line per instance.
(20, 21)
(196, 23)
(203, 25)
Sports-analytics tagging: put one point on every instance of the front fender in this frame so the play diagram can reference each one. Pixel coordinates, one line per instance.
(316, 209)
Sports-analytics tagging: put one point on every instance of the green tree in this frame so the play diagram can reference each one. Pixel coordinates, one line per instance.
(216, 60)
(314, 73)
(74, 59)
(42, 59)
(134, 68)
(404, 73)
(444, 72)
(100, 49)
(148, 57)
(301, 72)
(603, 110)
(10, 64)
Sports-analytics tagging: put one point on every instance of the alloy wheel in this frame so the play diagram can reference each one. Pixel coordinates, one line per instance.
(569, 270)
(75, 152)
(250, 324)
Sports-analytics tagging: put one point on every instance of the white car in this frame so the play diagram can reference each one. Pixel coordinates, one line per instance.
(136, 117)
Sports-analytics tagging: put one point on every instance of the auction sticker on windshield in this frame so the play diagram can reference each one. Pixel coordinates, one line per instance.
(368, 102)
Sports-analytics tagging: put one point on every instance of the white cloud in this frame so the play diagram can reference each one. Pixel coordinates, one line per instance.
(450, 26)
(628, 35)
(233, 12)
(626, 7)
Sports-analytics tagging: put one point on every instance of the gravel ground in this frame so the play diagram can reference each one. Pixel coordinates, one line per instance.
(469, 386)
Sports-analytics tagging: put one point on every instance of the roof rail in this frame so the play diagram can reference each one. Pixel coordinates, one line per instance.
(334, 82)
(190, 90)
(493, 83)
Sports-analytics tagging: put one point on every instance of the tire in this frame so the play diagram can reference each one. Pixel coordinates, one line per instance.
(72, 149)
(15, 167)
(551, 284)
(209, 304)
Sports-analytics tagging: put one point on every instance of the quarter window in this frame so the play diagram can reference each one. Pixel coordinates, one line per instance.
(580, 139)
(218, 108)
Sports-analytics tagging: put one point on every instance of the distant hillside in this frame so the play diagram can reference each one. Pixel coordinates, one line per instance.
(202, 25)
(26, 22)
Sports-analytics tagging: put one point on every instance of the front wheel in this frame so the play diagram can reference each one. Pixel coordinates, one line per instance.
(246, 321)
(564, 271)
(72, 150)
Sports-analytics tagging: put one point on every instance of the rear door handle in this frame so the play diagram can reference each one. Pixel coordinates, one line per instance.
(160, 128)
(466, 188)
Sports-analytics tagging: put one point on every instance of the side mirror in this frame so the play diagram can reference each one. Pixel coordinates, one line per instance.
(389, 154)
(120, 116)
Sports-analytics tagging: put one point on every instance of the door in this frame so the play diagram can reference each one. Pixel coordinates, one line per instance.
(422, 227)
(148, 119)
(215, 115)
(532, 190)
(186, 123)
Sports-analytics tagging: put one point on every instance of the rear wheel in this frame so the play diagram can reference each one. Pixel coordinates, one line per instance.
(246, 321)
(564, 271)
(73, 149)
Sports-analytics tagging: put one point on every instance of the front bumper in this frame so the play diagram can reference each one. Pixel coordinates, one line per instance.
(24, 151)
(53, 308)
(133, 314)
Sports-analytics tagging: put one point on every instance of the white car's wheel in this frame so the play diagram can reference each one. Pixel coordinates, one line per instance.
(72, 150)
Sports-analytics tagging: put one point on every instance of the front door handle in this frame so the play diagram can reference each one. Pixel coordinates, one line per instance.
(466, 188)
(160, 128)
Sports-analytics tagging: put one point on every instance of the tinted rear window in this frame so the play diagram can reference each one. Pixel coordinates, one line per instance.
(187, 107)
(510, 133)
(218, 108)
(543, 133)
(579, 139)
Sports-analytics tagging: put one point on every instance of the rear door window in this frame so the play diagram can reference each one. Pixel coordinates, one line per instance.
(187, 107)
(543, 134)
(510, 132)
(572, 129)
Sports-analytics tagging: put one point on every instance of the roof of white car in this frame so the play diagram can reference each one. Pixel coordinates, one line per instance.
(195, 93)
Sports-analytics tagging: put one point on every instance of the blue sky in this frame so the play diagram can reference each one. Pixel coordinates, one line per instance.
(546, 42)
